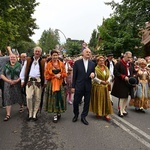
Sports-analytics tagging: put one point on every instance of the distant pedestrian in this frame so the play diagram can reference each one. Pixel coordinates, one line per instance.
(69, 85)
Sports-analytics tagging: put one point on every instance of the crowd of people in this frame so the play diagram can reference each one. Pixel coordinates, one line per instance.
(54, 81)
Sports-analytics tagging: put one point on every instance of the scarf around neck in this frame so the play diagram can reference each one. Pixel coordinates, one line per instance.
(12, 70)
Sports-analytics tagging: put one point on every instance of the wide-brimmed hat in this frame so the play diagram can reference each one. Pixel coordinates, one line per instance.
(132, 81)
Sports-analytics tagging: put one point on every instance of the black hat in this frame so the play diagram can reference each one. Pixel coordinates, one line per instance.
(132, 81)
(110, 54)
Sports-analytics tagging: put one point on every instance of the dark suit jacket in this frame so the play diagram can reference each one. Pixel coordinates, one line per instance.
(81, 80)
(107, 63)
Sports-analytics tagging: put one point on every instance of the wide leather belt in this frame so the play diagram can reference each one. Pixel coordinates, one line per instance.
(33, 79)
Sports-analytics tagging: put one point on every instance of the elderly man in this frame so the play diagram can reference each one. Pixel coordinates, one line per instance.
(123, 70)
(32, 76)
(83, 72)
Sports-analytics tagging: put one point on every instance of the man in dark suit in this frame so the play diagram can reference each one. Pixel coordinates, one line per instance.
(83, 72)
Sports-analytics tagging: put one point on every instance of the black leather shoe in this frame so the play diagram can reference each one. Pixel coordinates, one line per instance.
(29, 118)
(119, 114)
(75, 118)
(84, 121)
(142, 110)
(125, 114)
(35, 119)
(58, 116)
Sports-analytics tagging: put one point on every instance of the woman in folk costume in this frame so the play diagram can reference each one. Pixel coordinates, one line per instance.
(12, 84)
(55, 94)
(100, 98)
(142, 93)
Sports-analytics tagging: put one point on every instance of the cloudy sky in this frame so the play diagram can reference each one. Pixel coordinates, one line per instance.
(75, 18)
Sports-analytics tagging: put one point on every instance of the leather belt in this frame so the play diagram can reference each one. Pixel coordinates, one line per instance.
(33, 79)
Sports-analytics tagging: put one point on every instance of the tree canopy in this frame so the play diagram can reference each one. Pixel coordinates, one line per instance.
(16, 21)
(122, 31)
(49, 39)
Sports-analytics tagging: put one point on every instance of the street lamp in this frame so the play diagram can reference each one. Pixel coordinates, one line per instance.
(63, 34)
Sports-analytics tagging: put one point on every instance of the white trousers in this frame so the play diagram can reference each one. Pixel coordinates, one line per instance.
(33, 104)
(123, 103)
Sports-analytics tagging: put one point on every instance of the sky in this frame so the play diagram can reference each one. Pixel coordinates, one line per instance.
(76, 19)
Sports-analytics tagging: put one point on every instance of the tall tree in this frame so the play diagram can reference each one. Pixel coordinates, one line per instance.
(93, 44)
(131, 16)
(73, 47)
(16, 21)
(49, 40)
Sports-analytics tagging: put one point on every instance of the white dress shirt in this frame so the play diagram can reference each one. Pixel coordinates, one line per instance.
(34, 71)
(85, 64)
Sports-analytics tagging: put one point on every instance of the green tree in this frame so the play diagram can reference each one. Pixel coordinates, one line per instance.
(93, 44)
(131, 16)
(49, 40)
(16, 21)
(112, 40)
(73, 47)
(24, 47)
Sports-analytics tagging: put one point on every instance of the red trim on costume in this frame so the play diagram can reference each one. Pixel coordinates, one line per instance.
(126, 66)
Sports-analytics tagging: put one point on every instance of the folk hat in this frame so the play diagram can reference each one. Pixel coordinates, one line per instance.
(132, 81)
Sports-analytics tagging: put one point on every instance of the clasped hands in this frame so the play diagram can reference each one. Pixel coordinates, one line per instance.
(58, 76)
(12, 82)
(105, 82)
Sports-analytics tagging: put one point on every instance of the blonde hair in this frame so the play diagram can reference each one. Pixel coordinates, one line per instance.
(142, 61)
(100, 57)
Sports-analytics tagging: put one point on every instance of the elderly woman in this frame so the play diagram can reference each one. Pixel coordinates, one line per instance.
(100, 98)
(55, 95)
(12, 84)
(142, 93)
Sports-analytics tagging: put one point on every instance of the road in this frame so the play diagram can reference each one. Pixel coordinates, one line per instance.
(129, 133)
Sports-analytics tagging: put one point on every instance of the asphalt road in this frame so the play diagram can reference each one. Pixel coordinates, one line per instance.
(129, 133)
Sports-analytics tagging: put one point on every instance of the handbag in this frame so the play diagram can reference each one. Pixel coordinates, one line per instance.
(56, 71)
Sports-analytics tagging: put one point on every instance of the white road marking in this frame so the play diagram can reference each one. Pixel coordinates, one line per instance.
(133, 127)
(147, 144)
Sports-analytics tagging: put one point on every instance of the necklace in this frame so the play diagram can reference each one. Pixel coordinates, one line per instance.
(35, 63)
